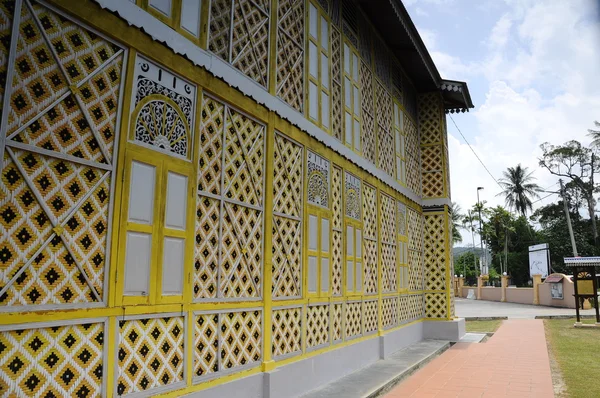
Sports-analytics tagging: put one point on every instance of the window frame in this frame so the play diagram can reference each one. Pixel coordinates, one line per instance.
(163, 164)
(318, 81)
(356, 139)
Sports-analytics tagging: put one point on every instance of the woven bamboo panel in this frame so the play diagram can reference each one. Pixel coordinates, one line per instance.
(287, 203)
(435, 252)
(60, 361)
(287, 331)
(228, 252)
(239, 34)
(371, 315)
(389, 312)
(435, 305)
(290, 52)
(150, 354)
(58, 159)
(317, 325)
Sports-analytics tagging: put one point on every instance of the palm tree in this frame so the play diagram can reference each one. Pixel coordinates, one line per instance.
(519, 189)
(456, 217)
(595, 134)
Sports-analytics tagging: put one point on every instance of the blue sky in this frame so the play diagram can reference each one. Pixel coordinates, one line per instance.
(533, 70)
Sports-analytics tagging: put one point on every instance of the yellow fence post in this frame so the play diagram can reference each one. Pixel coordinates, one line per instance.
(504, 286)
(537, 281)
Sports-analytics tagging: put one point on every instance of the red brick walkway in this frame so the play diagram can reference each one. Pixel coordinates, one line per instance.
(512, 363)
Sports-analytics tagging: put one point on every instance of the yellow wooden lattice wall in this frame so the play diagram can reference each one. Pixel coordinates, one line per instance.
(243, 306)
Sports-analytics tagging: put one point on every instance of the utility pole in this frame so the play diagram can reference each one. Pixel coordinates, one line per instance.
(483, 258)
(562, 193)
(473, 247)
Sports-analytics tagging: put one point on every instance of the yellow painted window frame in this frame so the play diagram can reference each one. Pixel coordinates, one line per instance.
(174, 21)
(319, 80)
(164, 164)
(354, 84)
(399, 132)
(320, 213)
(356, 225)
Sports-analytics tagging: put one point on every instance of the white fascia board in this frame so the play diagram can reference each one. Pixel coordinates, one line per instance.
(159, 31)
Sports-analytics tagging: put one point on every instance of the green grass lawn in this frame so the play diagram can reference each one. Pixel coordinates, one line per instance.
(482, 326)
(577, 355)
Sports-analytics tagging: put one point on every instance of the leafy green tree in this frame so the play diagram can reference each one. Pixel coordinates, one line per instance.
(578, 165)
(456, 218)
(519, 189)
(553, 223)
(463, 265)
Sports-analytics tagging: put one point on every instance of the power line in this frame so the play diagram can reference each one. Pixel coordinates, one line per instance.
(472, 150)
(547, 196)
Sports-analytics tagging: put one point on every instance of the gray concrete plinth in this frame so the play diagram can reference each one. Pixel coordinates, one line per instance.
(452, 330)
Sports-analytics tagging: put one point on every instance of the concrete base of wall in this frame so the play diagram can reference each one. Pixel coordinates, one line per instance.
(444, 330)
(300, 377)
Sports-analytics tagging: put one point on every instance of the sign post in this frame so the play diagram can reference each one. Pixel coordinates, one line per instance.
(539, 260)
(584, 280)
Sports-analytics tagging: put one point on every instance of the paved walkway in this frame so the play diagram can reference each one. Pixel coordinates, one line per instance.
(475, 308)
(512, 363)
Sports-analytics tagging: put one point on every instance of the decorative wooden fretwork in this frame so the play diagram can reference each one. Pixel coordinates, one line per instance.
(435, 251)
(163, 110)
(415, 249)
(228, 252)
(235, 337)
(318, 174)
(337, 232)
(365, 38)
(382, 61)
(287, 212)
(433, 149)
(290, 52)
(410, 307)
(287, 331)
(352, 196)
(60, 110)
(435, 305)
(337, 106)
(402, 218)
(352, 319)
(387, 217)
(413, 156)
(370, 240)
(57, 361)
(317, 325)
(430, 118)
(244, 40)
(370, 315)
(385, 137)
(150, 354)
(368, 139)
(336, 322)
(389, 313)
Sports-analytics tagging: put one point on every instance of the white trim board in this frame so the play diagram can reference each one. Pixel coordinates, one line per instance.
(181, 45)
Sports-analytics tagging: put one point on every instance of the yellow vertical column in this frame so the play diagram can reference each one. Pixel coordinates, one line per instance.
(449, 274)
(268, 363)
(379, 267)
(273, 48)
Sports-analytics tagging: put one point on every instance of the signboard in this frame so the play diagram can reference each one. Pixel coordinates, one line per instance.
(556, 291)
(585, 287)
(539, 260)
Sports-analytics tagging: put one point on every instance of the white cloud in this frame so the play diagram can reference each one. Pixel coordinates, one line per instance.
(541, 76)
(500, 32)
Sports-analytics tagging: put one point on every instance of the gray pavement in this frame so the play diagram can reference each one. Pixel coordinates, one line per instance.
(481, 308)
(376, 379)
